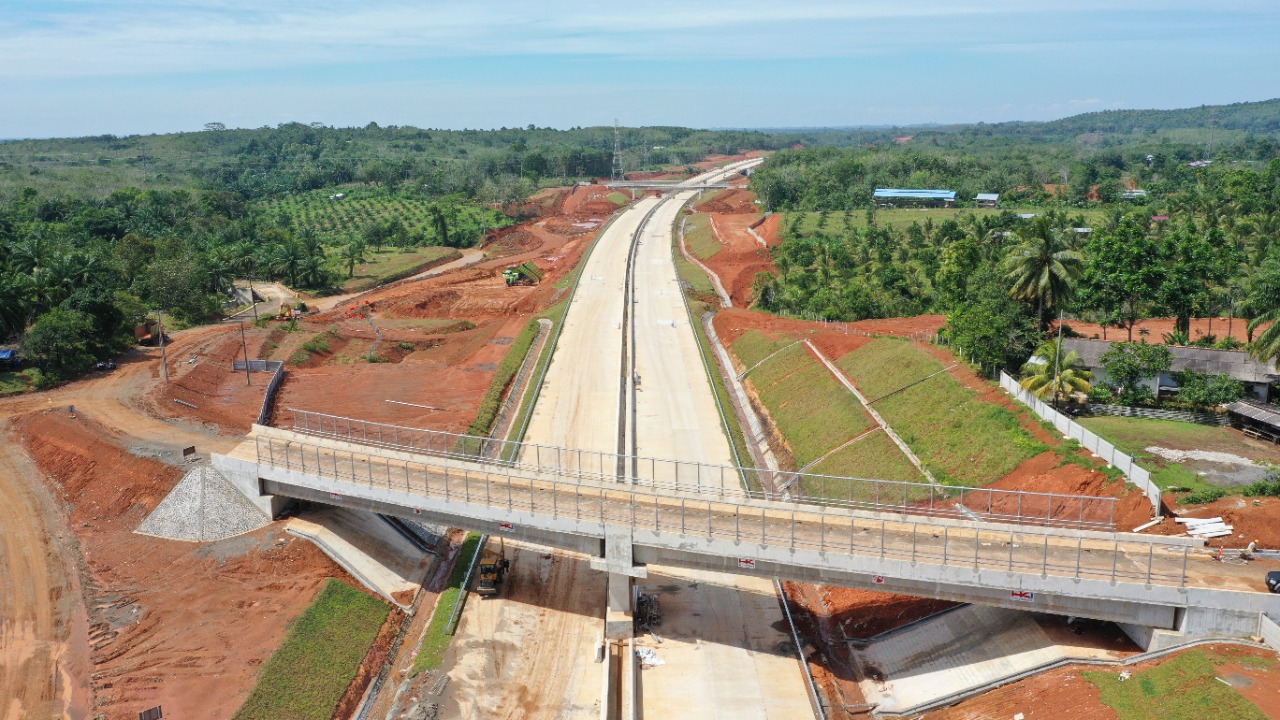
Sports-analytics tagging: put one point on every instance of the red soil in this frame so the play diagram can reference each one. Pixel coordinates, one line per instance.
(731, 323)
(1252, 520)
(223, 400)
(176, 624)
(1157, 328)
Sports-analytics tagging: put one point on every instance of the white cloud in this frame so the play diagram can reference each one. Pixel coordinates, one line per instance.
(88, 38)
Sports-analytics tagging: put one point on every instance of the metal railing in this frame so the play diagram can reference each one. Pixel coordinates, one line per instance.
(985, 504)
(816, 528)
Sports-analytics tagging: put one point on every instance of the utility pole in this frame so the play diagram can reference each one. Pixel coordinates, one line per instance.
(617, 151)
(164, 354)
(245, 347)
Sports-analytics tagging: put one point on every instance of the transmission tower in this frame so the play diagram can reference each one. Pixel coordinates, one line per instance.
(617, 152)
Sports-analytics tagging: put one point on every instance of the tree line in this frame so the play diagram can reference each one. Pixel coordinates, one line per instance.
(1202, 244)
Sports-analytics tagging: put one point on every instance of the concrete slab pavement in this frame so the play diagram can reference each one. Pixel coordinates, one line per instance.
(726, 651)
(367, 548)
(962, 649)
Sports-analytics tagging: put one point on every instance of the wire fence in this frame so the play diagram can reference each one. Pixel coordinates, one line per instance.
(1037, 551)
(985, 504)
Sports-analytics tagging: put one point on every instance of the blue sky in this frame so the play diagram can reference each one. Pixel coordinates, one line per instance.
(81, 67)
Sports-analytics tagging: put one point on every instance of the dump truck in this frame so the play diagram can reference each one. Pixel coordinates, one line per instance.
(522, 274)
(493, 568)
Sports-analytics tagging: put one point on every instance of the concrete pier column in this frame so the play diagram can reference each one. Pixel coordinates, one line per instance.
(618, 562)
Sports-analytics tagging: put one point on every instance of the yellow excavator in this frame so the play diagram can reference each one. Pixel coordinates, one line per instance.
(493, 568)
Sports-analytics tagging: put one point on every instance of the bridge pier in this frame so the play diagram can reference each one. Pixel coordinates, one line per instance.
(619, 562)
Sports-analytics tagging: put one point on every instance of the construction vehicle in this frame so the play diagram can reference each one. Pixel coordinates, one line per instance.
(493, 568)
(522, 274)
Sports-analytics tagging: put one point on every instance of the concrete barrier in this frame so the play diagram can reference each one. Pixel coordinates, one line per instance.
(1137, 475)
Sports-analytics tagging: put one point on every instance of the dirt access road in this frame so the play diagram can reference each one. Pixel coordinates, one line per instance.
(44, 658)
(46, 661)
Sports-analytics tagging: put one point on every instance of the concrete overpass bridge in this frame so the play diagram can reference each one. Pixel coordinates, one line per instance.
(1161, 590)
(666, 186)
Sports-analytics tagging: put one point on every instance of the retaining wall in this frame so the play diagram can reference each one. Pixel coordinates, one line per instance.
(276, 368)
(1135, 473)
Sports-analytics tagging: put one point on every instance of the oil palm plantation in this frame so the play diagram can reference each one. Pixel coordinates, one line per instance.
(1052, 374)
(1044, 266)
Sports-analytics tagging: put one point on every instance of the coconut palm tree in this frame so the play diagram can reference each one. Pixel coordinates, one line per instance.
(1044, 266)
(352, 253)
(1053, 375)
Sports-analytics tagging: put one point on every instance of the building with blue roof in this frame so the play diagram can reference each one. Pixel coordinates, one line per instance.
(892, 197)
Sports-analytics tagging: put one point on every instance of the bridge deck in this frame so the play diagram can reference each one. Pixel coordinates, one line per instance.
(1030, 554)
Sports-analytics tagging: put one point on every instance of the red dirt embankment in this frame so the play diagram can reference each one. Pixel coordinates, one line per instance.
(1157, 328)
(741, 257)
(222, 399)
(176, 624)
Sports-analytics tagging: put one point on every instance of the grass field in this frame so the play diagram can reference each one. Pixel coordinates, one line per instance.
(810, 407)
(959, 438)
(874, 456)
(436, 640)
(1184, 688)
(365, 205)
(309, 673)
(699, 237)
(12, 383)
(1133, 435)
(618, 198)
(811, 223)
(391, 263)
(699, 283)
(753, 346)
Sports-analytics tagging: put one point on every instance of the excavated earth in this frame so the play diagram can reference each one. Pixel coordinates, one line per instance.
(101, 620)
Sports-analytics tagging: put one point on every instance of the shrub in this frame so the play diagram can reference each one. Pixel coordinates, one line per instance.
(1202, 390)
(1203, 497)
(316, 345)
(1264, 488)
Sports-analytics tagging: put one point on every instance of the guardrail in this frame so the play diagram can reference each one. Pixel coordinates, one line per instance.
(813, 528)
(988, 504)
(1136, 474)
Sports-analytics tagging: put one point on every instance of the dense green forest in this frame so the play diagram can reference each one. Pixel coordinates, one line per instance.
(97, 231)
(1200, 240)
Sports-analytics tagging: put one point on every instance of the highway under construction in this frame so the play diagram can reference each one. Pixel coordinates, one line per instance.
(645, 481)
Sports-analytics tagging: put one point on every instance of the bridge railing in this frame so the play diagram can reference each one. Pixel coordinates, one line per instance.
(987, 504)
(1030, 550)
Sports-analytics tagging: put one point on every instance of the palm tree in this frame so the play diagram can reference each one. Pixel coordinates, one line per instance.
(353, 253)
(1052, 375)
(1044, 266)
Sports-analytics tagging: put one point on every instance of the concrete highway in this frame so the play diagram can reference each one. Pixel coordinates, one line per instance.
(654, 399)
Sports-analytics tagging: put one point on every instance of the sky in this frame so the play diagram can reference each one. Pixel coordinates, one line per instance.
(90, 67)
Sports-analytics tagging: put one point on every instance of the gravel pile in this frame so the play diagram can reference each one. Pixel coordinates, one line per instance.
(202, 507)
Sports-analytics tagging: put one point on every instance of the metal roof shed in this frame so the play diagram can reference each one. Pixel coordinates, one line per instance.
(901, 194)
(1257, 420)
